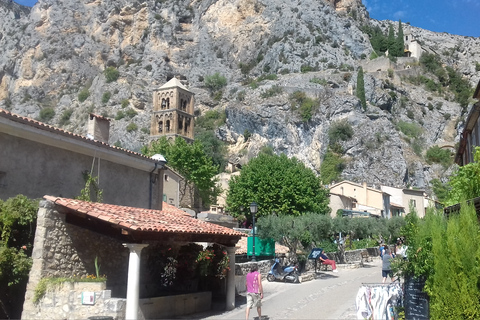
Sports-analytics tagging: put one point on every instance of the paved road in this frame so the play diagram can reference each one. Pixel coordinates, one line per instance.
(332, 296)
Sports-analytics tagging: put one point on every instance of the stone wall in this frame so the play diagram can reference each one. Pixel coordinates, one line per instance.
(64, 250)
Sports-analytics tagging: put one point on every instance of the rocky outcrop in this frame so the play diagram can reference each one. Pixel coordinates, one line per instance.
(51, 53)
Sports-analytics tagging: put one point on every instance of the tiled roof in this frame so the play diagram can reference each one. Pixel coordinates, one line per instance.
(169, 220)
(242, 247)
(43, 126)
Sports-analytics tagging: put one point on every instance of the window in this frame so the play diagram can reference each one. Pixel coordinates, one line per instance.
(166, 177)
(413, 203)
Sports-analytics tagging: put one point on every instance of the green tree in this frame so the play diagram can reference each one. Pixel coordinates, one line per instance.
(278, 184)
(17, 231)
(361, 88)
(213, 148)
(331, 167)
(400, 41)
(464, 184)
(392, 42)
(191, 161)
(440, 190)
(296, 232)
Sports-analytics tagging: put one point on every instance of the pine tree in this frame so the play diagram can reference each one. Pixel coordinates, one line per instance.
(361, 88)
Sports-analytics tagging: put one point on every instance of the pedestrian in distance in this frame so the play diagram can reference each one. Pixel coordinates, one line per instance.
(254, 291)
(386, 265)
(324, 259)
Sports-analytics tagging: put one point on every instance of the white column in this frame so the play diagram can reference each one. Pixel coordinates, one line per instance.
(230, 302)
(133, 287)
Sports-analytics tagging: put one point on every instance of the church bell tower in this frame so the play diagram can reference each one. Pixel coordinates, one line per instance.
(172, 111)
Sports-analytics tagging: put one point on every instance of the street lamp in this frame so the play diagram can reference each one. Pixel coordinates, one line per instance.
(253, 210)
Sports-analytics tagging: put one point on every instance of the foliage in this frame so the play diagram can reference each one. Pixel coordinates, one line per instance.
(132, 127)
(439, 155)
(464, 183)
(106, 96)
(213, 147)
(211, 120)
(440, 190)
(331, 167)
(125, 103)
(360, 91)
(17, 230)
(411, 130)
(321, 81)
(191, 161)
(277, 184)
(46, 114)
(296, 232)
(46, 283)
(445, 253)
(91, 186)
(271, 92)
(215, 82)
(305, 105)
(65, 118)
(455, 278)
(204, 261)
(131, 113)
(340, 131)
(83, 95)
(111, 74)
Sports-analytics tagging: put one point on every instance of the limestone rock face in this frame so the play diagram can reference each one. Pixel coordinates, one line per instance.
(51, 53)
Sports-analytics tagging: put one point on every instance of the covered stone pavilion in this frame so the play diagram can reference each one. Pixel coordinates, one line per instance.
(72, 234)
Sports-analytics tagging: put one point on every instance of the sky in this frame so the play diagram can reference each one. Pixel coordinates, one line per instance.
(459, 17)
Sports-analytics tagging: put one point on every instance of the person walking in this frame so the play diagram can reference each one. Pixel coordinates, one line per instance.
(254, 291)
(386, 264)
(324, 259)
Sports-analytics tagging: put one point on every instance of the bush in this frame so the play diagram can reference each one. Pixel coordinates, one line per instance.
(331, 167)
(436, 154)
(111, 74)
(125, 103)
(120, 115)
(340, 131)
(131, 113)
(271, 92)
(411, 130)
(83, 95)
(106, 96)
(215, 82)
(46, 114)
(65, 119)
(132, 127)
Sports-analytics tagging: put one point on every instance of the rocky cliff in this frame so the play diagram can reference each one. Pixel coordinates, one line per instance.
(51, 53)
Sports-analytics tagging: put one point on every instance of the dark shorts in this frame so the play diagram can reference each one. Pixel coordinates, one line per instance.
(386, 273)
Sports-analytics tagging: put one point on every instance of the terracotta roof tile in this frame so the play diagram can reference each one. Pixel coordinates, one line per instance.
(170, 219)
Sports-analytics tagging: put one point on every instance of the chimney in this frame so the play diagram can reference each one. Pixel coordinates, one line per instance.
(98, 128)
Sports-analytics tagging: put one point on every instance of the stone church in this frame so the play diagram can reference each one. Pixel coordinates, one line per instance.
(172, 116)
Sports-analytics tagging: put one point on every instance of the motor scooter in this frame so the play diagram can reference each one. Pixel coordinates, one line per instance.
(283, 273)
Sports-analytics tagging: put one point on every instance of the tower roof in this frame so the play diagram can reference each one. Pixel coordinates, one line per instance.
(174, 82)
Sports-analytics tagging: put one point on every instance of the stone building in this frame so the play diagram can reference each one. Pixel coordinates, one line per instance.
(39, 159)
(173, 110)
(129, 245)
(412, 46)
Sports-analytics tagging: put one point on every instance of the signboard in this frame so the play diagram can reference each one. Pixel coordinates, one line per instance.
(315, 253)
(88, 298)
(416, 301)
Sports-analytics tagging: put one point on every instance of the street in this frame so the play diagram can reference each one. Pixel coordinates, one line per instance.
(332, 296)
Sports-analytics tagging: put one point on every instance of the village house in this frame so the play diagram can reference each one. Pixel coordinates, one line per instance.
(359, 197)
(39, 159)
(385, 202)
